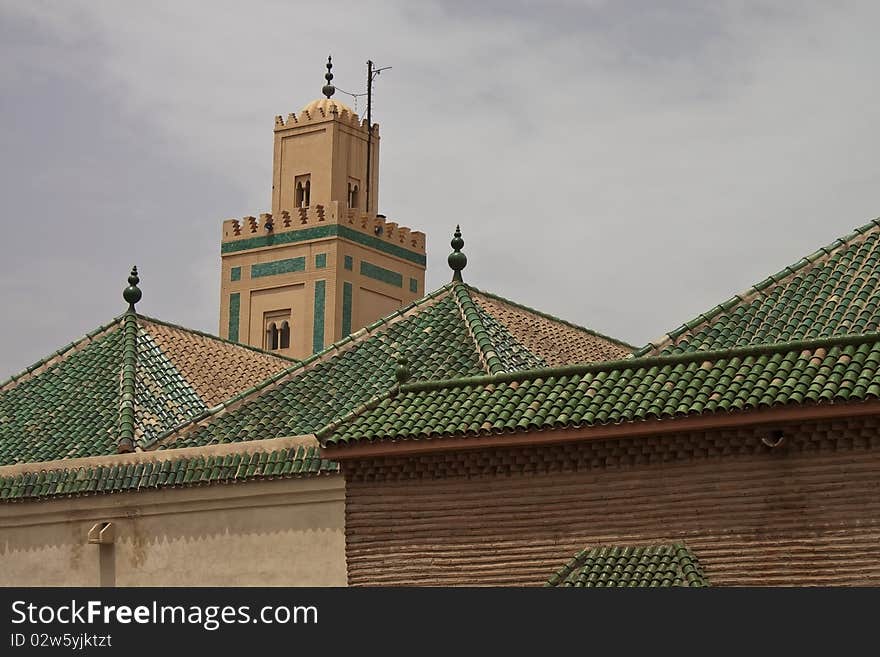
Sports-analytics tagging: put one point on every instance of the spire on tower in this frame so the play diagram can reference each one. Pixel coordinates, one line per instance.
(329, 89)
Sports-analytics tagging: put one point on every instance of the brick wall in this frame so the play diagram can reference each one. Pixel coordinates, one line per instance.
(804, 513)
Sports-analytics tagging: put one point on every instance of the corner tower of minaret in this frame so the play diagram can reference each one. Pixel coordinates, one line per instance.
(323, 263)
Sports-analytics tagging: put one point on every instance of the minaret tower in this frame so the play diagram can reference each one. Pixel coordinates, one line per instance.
(322, 265)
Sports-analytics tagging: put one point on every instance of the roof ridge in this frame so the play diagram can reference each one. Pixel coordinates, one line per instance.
(345, 343)
(211, 336)
(56, 356)
(546, 315)
(368, 405)
(125, 418)
(821, 255)
(643, 362)
(477, 329)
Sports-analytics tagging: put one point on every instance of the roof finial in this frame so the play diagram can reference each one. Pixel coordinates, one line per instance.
(132, 294)
(457, 260)
(401, 372)
(329, 89)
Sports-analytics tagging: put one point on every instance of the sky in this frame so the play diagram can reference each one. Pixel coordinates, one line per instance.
(622, 165)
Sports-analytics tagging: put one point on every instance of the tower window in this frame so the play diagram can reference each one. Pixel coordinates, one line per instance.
(302, 191)
(277, 330)
(353, 196)
(284, 338)
(271, 337)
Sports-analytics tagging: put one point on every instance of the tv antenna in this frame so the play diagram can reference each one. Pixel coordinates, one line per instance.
(372, 74)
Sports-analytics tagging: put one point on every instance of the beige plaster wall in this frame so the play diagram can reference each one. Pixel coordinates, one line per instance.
(373, 299)
(287, 532)
(293, 290)
(331, 152)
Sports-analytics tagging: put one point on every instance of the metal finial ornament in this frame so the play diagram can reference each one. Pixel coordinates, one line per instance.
(329, 89)
(457, 260)
(401, 372)
(132, 294)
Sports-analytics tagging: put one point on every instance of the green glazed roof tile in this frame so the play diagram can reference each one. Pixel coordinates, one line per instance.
(642, 566)
(79, 402)
(452, 333)
(818, 371)
(832, 292)
(175, 472)
(156, 384)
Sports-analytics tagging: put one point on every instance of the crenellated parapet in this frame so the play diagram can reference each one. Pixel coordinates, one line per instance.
(288, 221)
(322, 111)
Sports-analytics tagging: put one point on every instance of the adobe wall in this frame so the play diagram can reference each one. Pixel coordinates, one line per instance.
(804, 513)
(285, 532)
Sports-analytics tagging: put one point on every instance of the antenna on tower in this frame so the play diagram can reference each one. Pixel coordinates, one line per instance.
(372, 74)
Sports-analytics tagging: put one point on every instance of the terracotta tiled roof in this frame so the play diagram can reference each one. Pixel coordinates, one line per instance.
(554, 341)
(454, 332)
(216, 369)
(811, 372)
(834, 291)
(68, 405)
(649, 566)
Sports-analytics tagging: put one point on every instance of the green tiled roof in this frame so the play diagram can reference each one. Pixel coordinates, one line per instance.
(650, 566)
(446, 335)
(78, 402)
(69, 410)
(834, 291)
(171, 472)
(809, 372)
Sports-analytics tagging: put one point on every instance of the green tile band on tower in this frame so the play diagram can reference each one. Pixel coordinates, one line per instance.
(346, 308)
(234, 311)
(286, 266)
(318, 232)
(381, 274)
(318, 328)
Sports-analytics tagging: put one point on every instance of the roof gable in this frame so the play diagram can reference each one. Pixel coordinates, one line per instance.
(834, 291)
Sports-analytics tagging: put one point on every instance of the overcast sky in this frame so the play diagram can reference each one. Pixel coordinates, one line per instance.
(623, 165)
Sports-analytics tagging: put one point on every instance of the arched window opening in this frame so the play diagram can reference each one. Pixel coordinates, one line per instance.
(284, 340)
(271, 336)
(302, 190)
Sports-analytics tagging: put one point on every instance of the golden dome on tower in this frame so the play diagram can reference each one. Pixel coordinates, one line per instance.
(327, 106)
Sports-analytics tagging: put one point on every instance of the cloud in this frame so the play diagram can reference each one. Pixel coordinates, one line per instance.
(624, 165)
